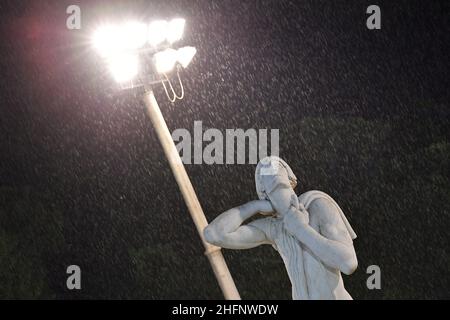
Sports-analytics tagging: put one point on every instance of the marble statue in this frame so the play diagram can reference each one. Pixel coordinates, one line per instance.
(310, 232)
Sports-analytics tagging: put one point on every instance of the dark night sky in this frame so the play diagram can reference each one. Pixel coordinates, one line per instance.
(68, 136)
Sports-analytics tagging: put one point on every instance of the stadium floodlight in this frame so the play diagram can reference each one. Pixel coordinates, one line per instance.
(123, 66)
(115, 42)
(157, 32)
(109, 40)
(166, 60)
(126, 49)
(105, 41)
(185, 55)
(160, 31)
(133, 35)
(175, 30)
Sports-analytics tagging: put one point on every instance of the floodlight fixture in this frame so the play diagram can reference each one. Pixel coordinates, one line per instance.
(123, 66)
(185, 55)
(157, 32)
(166, 60)
(133, 35)
(133, 39)
(105, 41)
(175, 30)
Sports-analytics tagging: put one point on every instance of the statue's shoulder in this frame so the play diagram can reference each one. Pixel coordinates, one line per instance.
(330, 211)
(309, 197)
(319, 205)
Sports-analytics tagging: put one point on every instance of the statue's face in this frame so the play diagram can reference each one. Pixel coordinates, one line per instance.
(279, 191)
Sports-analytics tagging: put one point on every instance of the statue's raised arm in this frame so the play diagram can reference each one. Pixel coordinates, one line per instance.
(228, 230)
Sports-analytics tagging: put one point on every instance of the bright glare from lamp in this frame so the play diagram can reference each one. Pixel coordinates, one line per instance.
(124, 67)
(185, 55)
(105, 40)
(133, 35)
(110, 40)
(175, 30)
(119, 45)
(165, 60)
(157, 32)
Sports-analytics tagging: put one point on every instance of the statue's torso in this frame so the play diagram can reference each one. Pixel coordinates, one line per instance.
(310, 278)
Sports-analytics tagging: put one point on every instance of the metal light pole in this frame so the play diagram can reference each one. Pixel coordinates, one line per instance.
(121, 46)
(213, 253)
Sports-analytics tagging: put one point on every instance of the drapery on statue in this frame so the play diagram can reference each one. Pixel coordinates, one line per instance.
(310, 232)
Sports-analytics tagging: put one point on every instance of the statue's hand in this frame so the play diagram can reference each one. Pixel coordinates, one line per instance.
(295, 219)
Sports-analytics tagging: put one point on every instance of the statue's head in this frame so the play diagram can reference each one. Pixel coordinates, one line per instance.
(275, 182)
